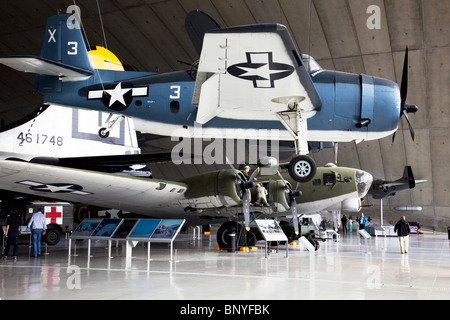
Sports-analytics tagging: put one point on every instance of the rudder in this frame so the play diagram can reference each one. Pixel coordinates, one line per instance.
(64, 43)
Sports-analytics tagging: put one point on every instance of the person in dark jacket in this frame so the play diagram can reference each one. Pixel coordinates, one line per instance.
(12, 232)
(403, 230)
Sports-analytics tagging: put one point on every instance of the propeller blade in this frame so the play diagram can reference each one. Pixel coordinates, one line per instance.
(234, 169)
(404, 84)
(405, 108)
(293, 204)
(393, 137)
(254, 174)
(294, 215)
(282, 179)
(246, 209)
(411, 130)
(230, 164)
(336, 147)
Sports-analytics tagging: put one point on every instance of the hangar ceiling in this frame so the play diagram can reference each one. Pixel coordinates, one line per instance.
(150, 36)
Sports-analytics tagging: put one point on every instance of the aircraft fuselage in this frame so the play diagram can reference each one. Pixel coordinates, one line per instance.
(162, 103)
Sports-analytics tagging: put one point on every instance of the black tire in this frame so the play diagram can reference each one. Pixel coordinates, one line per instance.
(101, 133)
(251, 238)
(52, 236)
(223, 238)
(302, 168)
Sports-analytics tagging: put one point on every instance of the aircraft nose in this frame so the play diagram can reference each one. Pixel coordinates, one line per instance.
(363, 181)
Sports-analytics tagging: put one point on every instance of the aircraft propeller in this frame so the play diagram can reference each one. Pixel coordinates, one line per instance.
(245, 186)
(406, 108)
(293, 203)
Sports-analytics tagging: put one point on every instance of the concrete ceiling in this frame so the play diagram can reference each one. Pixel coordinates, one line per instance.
(150, 35)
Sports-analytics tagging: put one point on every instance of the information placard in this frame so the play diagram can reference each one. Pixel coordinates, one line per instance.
(143, 229)
(124, 229)
(271, 230)
(167, 230)
(85, 228)
(106, 228)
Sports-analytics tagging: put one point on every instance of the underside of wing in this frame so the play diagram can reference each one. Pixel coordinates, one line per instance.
(132, 194)
(252, 72)
(41, 65)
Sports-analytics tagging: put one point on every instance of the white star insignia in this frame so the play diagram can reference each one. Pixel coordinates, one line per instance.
(117, 94)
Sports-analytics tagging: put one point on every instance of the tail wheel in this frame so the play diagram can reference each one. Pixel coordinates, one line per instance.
(103, 133)
(302, 168)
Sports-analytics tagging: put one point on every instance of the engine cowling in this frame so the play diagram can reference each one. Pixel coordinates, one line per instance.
(278, 196)
(213, 190)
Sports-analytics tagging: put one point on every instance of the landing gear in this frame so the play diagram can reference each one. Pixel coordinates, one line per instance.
(102, 133)
(302, 168)
(227, 232)
(110, 124)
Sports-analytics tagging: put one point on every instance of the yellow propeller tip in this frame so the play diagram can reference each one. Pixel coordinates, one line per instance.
(297, 233)
(248, 228)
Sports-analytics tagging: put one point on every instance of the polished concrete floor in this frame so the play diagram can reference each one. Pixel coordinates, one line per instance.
(350, 269)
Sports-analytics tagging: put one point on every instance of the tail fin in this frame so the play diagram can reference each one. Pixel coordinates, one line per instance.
(409, 177)
(64, 43)
(63, 55)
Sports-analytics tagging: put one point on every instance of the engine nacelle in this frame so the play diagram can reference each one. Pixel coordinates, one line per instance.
(278, 196)
(213, 190)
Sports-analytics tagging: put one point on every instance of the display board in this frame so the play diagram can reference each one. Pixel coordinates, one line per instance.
(143, 230)
(85, 228)
(124, 229)
(167, 230)
(106, 228)
(158, 230)
(271, 230)
(128, 230)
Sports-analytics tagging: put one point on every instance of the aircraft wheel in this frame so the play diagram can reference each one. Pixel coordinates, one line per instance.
(251, 238)
(102, 133)
(52, 236)
(223, 238)
(302, 168)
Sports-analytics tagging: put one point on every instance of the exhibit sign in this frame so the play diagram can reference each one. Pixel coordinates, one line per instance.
(167, 230)
(271, 230)
(124, 229)
(143, 230)
(85, 228)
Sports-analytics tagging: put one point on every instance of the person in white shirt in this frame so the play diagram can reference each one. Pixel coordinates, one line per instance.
(261, 195)
(38, 227)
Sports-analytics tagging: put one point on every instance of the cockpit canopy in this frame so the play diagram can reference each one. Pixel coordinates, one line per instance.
(310, 63)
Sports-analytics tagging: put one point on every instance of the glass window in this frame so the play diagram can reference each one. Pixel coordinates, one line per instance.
(174, 106)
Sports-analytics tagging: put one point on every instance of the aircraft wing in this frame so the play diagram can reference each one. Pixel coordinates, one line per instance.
(41, 65)
(88, 187)
(108, 164)
(252, 72)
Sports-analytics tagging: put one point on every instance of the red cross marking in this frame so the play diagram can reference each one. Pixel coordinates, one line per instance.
(53, 214)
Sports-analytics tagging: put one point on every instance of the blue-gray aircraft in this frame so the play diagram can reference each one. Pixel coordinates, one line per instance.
(247, 77)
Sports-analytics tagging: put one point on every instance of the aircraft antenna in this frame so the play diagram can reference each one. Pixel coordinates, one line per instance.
(89, 45)
(101, 23)
(309, 33)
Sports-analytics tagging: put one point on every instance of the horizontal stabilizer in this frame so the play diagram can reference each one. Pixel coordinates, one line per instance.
(39, 65)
